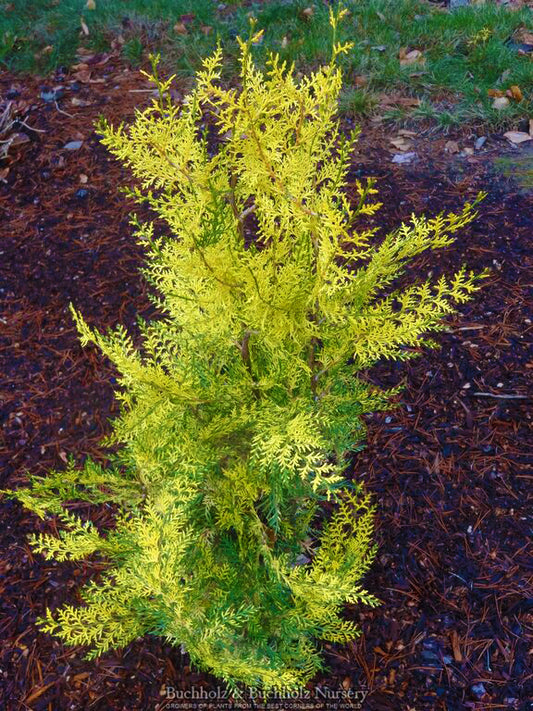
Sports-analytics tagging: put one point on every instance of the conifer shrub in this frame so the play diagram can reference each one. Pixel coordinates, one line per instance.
(243, 401)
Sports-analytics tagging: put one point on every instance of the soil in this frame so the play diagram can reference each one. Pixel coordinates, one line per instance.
(448, 466)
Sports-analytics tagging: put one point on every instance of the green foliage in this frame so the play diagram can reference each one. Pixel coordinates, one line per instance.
(242, 403)
(466, 51)
(133, 51)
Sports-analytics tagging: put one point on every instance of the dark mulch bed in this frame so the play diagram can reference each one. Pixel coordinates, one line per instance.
(448, 467)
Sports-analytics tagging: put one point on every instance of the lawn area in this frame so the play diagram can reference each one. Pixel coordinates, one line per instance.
(447, 65)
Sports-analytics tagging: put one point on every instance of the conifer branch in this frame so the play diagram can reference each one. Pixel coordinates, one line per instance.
(226, 447)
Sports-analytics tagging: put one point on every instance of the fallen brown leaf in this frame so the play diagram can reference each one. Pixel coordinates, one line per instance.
(45, 50)
(518, 136)
(180, 29)
(524, 36)
(398, 100)
(451, 147)
(98, 60)
(415, 56)
(515, 93)
(81, 103)
(400, 143)
(500, 102)
(84, 75)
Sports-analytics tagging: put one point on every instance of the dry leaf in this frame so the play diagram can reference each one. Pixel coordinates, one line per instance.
(98, 60)
(84, 52)
(284, 42)
(80, 66)
(206, 29)
(400, 143)
(84, 27)
(405, 132)
(500, 103)
(308, 12)
(517, 136)
(451, 147)
(360, 80)
(4, 172)
(531, 127)
(79, 102)
(84, 75)
(524, 36)
(90, 5)
(415, 56)
(514, 93)
(398, 100)
(83, 178)
(495, 93)
(180, 29)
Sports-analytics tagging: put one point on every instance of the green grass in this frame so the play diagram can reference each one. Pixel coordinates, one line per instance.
(518, 167)
(465, 51)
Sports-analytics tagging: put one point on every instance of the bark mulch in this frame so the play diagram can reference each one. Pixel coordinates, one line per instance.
(448, 466)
